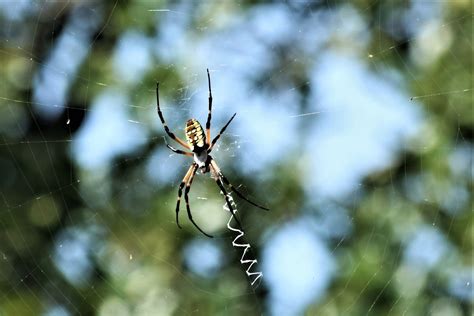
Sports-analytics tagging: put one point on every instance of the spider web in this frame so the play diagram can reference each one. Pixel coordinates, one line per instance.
(354, 126)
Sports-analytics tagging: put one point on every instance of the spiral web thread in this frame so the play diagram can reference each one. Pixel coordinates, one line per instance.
(255, 275)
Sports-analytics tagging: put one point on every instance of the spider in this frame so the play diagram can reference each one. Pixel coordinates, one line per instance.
(200, 145)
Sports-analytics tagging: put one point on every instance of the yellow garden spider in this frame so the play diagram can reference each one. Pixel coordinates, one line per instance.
(200, 145)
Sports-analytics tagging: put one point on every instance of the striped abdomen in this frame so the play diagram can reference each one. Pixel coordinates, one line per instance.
(195, 134)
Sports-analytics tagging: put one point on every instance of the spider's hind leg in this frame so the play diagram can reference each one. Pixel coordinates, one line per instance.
(186, 198)
(180, 191)
(229, 204)
(227, 182)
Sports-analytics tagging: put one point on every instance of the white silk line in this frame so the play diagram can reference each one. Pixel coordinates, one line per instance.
(236, 244)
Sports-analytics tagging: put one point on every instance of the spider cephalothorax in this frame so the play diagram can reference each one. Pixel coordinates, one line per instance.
(200, 145)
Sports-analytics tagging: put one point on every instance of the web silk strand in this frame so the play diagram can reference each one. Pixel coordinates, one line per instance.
(252, 275)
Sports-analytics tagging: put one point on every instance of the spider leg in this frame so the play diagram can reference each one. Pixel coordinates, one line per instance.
(220, 133)
(181, 152)
(229, 204)
(186, 192)
(227, 182)
(180, 190)
(208, 123)
(167, 130)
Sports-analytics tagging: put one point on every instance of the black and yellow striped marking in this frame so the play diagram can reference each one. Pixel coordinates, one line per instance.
(195, 134)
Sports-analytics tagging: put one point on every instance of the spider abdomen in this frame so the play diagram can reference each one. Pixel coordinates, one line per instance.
(195, 134)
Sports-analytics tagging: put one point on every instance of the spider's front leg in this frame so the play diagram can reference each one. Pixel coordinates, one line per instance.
(209, 115)
(214, 141)
(178, 151)
(162, 119)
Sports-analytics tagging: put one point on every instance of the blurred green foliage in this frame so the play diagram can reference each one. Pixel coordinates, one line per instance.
(137, 246)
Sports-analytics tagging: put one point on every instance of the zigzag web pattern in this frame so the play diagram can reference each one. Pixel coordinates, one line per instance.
(254, 276)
